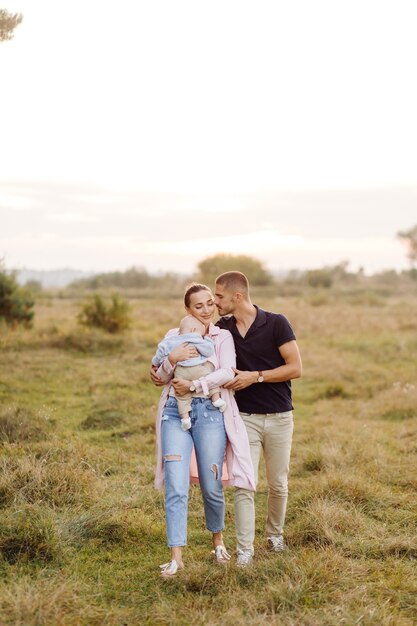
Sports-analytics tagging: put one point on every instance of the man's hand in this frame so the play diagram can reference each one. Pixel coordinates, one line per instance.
(181, 386)
(154, 378)
(241, 380)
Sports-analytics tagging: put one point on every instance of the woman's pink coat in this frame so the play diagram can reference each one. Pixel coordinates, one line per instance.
(237, 468)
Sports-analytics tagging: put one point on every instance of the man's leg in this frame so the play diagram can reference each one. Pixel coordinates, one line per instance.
(245, 499)
(277, 450)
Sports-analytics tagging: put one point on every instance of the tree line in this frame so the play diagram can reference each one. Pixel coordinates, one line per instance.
(17, 302)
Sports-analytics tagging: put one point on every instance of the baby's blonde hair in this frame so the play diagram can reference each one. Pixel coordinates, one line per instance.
(188, 322)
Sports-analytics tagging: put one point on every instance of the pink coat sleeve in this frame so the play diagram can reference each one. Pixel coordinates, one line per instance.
(226, 361)
(166, 371)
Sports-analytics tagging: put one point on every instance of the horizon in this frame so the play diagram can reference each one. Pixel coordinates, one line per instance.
(61, 277)
(94, 229)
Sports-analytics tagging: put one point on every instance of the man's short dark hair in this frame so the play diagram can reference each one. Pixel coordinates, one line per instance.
(234, 281)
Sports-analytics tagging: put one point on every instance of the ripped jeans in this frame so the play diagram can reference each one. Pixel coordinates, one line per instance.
(208, 435)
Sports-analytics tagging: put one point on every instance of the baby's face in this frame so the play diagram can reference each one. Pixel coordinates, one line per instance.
(191, 324)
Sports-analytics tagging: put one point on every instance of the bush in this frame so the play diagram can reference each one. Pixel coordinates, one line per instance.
(131, 278)
(16, 303)
(320, 278)
(114, 317)
(211, 267)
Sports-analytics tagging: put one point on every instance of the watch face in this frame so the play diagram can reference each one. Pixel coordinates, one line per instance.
(192, 388)
(260, 379)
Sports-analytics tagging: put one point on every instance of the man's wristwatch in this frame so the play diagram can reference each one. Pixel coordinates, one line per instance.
(260, 377)
(192, 387)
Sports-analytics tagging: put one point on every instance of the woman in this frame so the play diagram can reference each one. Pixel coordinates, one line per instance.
(216, 437)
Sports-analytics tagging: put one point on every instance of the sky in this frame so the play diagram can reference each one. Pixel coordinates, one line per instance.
(157, 133)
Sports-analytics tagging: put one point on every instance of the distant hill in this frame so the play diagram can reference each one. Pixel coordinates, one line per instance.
(51, 278)
(63, 277)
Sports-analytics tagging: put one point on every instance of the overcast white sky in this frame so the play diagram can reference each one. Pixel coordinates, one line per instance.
(158, 132)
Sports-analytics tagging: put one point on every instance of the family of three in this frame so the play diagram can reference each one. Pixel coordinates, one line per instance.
(226, 396)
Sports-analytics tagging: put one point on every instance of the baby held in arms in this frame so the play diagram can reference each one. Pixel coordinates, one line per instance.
(191, 331)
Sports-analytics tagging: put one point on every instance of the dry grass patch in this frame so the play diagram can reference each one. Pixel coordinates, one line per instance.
(52, 602)
(103, 419)
(324, 523)
(88, 341)
(19, 425)
(29, 533)
(29, 480)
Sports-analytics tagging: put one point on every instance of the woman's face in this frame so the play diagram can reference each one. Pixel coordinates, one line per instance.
(202, 306)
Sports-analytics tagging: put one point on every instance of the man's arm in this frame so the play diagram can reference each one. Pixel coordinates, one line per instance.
(291, 369)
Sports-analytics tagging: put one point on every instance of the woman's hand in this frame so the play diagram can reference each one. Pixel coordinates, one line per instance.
(182, 352)
(181, 386)
(154, 378)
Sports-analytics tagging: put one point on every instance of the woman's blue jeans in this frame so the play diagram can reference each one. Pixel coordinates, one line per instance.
(208, 436)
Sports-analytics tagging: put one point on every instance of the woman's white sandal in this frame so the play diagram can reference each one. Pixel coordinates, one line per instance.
(221, 555)
(170, 569)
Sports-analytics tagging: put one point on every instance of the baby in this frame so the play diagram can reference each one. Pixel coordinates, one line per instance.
(190, 331)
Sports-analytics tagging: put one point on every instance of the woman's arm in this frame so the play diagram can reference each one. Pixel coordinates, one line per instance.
(165, 371)
(226, 355)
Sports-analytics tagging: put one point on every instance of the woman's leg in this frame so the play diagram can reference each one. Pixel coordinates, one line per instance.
(209, 438)
(176, 453)
(171, 568)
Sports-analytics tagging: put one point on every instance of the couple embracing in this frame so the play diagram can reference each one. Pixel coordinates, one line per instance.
(211, 429)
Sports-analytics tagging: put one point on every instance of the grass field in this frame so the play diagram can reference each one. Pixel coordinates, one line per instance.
(82, 529)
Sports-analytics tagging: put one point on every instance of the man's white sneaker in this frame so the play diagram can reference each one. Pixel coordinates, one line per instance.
(244, 558)
(276, 543)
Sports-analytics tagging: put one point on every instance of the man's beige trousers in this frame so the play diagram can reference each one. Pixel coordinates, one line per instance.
(271, 432)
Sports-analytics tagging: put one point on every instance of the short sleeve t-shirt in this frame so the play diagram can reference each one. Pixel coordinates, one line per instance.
(259, 350)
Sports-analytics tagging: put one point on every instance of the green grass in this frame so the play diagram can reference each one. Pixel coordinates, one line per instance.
(82, 529)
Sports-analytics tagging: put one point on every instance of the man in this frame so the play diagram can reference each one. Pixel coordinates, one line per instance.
(267, 359)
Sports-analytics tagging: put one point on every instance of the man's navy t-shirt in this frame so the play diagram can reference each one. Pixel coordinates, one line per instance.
(259, 350)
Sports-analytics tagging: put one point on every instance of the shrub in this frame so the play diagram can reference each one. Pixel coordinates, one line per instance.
(113, 317)
(320, 278)
(34, 286)
(16, 303)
